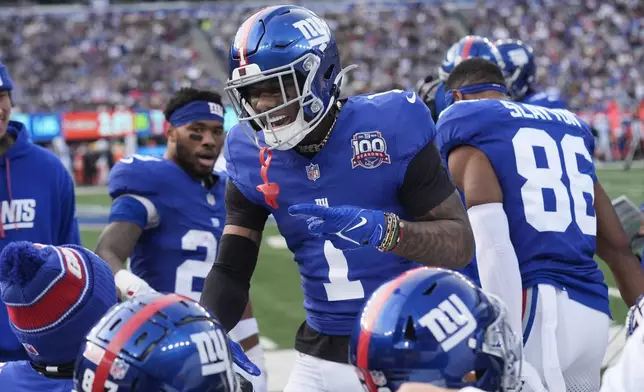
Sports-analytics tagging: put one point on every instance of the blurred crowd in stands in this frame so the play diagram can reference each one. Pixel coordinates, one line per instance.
(590, 50)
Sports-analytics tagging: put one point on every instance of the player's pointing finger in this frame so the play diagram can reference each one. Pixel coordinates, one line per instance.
(308, 209)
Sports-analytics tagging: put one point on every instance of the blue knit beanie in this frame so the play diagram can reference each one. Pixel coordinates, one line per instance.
(5, 81)
(54, 296)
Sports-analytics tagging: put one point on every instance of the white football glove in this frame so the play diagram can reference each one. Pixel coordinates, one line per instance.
(130, 285)
(635, 315)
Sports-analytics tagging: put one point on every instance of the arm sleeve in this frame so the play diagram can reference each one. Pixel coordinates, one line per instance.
(68, 231)
(497, 262)
(135, 209)
(226, 288)
(242, 212)
(426, 183)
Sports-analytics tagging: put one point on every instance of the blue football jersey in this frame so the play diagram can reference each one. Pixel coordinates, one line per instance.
(439, 99)
(182, 222)
(548, 99)
(547, 176)
(19, 376)
(363, 164)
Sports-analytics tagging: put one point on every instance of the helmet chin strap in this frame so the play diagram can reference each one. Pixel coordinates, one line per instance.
(271, 190)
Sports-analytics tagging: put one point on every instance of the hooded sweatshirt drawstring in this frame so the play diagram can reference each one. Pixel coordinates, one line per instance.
(8, 174)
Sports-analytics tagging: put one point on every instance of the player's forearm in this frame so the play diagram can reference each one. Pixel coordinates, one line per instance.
(112, 256)
(626, 270)
(225, 295)
(117, 242)
(442, 237)
(226, 287)
(441, 243)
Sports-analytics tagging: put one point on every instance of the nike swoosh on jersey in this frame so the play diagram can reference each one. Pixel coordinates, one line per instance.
(412, 99)
(363, 221)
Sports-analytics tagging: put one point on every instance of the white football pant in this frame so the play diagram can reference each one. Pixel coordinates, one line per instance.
(564, 340)
(313, 374)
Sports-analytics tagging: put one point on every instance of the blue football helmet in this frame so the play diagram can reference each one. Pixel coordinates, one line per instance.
(156, 343)
(433, 325)
(468, 47)
(519, 66)
(291, 52)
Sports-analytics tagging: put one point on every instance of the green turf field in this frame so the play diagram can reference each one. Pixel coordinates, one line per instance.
(276, 293)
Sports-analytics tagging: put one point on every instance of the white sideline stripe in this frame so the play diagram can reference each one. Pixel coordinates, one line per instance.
(267, 344)
(276, 242)
(614, 292)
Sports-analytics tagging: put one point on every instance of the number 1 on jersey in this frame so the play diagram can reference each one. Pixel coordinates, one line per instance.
(340, 288)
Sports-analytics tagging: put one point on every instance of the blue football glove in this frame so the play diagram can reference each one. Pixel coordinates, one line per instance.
(346, 227)
(240, 359)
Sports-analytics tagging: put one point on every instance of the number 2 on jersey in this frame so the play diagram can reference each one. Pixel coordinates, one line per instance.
(191, 269)
(550, 177)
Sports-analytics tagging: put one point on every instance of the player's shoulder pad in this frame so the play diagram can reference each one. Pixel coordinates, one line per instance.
(466, 121)
(399, 115)
(136, 174)
(239, 149)
(550, 99)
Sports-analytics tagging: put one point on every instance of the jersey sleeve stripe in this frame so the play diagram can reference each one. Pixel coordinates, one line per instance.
(153, 218)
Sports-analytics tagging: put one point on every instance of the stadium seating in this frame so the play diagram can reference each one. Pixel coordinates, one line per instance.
(78, 61)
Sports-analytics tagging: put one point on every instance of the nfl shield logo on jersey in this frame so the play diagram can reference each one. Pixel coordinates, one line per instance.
(369, 150)
(313, 172)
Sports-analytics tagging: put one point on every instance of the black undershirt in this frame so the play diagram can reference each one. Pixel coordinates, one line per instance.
(425, 186)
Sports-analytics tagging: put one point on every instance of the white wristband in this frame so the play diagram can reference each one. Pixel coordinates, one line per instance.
(244, 329)
(131, 285)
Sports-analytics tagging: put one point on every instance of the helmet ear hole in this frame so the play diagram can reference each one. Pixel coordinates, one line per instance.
(430, 289)
(410, 330)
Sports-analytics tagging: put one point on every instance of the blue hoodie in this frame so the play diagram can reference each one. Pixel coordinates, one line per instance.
(37, 204)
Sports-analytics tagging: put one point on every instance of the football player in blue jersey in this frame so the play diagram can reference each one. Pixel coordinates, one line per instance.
(168, 214)
(434, 326)
(356, 186)
(432, 90)
(539, 215)
(520, 74)
(157, 342)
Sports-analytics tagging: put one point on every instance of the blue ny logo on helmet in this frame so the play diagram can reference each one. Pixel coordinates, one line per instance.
(434, 326)
(292, 50)
(156, 342)
(519, 66)
(467, 47)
